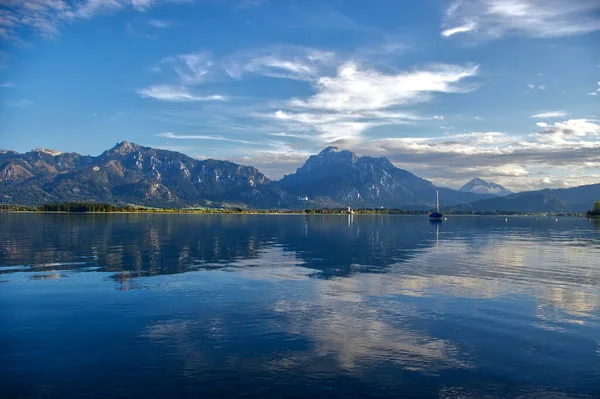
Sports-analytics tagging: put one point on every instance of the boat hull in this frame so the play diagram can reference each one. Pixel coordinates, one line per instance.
(436, 216)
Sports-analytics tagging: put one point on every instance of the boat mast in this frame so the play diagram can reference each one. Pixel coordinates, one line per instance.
(437, 200)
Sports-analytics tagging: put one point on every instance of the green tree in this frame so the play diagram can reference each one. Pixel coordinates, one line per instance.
(597, 206)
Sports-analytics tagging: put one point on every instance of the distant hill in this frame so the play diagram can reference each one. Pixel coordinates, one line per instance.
(534, 203)
(576, 199)
(480, 186)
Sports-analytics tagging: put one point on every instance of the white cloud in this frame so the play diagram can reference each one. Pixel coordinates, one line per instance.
(359, 89)
(7, 84)
(569, 131)
(550, 114)
(170, 135)
(176, 94)
(491, 19)
(459, 29)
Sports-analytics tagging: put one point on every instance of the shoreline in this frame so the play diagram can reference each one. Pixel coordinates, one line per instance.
(284, 213)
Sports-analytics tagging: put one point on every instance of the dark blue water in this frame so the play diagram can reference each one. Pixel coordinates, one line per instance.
(198, 306)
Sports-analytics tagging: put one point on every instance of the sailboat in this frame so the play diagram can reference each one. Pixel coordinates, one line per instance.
(436, 215)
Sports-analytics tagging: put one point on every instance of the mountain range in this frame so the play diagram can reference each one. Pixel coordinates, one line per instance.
(132, 174)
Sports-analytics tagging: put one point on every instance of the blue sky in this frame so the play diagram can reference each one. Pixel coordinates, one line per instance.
(507, 90)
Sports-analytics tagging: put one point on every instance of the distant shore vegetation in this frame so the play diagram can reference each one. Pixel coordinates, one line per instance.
(76, 207)
(594, 213)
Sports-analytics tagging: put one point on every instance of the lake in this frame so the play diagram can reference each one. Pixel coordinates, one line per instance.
(292, 306)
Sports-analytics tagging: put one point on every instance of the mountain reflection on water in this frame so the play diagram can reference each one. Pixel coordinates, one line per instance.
(299, 306)
(157, 244)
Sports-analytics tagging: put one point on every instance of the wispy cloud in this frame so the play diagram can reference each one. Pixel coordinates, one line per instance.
(45, 17)
(550, 114)
(161, 24)
(595, 93)
(7, 84)
(286, 62)
(324, 127)
(191, 68)
(19, 103)
(170, 135)
(490, 19)
(176, 94)
(534, 87)
(293, 135)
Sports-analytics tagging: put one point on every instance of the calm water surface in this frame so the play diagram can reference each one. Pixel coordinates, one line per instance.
(199, 306)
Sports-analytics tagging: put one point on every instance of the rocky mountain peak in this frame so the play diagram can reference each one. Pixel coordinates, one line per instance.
(480, 186)
(47, 151)
(330, 149)
(125, 147)
(477, 180)
(333, 154)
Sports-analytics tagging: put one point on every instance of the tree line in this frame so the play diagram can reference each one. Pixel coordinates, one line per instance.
(595, 212)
